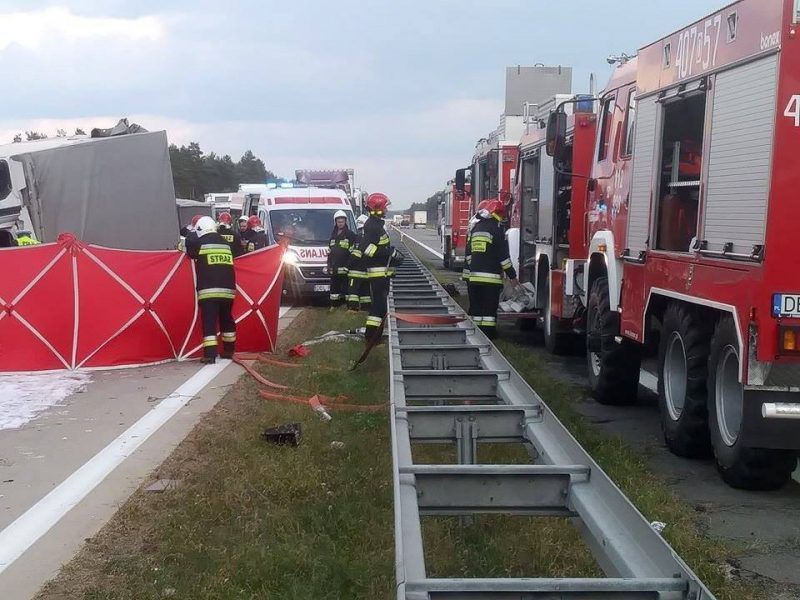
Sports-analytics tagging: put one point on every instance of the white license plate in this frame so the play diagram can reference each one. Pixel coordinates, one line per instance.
(786, 305)
(322, 288)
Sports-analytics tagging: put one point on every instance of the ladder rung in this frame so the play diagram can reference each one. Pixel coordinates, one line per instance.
(451, 383)
(495, 424)
(443, 357)
(541, 490)
(544, 588)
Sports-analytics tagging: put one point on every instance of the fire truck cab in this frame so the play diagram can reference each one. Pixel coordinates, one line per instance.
(692, 221)
(544, 240)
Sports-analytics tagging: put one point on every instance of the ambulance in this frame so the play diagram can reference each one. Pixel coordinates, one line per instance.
(301, 220)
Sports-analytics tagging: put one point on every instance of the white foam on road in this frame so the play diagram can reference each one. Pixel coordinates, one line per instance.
(416, 241)
(42, 516)
(25, 395)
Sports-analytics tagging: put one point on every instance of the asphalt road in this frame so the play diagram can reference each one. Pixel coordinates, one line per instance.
(64, 473)
(768, 523)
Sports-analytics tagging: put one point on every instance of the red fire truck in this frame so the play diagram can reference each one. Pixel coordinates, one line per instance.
(455, 210)
(543, 235)
(692, 227)
(493, 168)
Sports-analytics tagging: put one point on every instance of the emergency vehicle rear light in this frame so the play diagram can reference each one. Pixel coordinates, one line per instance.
(788, 338)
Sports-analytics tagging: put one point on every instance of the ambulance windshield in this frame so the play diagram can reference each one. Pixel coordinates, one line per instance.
(305, 226)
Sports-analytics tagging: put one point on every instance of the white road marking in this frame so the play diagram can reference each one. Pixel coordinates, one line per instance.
(428, 248)
(42, 516)
(283, 311)
(648, 380)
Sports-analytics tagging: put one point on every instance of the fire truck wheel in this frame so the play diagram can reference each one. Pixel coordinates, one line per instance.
(682, 381)
(613, 367)
(557, 336)
(740, 466)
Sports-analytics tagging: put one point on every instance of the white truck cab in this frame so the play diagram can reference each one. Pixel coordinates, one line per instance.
(301, 219)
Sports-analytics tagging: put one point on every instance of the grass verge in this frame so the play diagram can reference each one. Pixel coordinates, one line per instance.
(253, 520)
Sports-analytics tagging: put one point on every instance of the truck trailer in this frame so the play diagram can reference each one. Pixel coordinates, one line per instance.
(691, 228)
(111, 191)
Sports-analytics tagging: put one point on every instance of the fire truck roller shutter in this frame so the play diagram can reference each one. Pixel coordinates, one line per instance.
(642, 180)
(742, 128)
(547, 180)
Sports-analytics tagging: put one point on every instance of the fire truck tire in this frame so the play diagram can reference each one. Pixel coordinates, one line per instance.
(558, 338)
(740, 467)
(682, 381)
(613, 368)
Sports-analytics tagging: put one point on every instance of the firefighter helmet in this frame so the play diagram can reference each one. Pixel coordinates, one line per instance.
(225, 219)
(195, 219)
(361, 220)
(205, 225)
(242, 219)
(253, 222)
(377, 202)
(496, 208)
(339, 214)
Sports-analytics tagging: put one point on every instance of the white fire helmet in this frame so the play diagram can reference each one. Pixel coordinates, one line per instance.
(205, 226)
(339, 214)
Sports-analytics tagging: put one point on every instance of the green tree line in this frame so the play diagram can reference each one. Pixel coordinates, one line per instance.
(196, 174)
(431, 206)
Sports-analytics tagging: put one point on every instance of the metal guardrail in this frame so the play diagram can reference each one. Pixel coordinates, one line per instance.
(449, 384)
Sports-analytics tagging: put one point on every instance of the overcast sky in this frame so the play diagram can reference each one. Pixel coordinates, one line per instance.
(399, 90)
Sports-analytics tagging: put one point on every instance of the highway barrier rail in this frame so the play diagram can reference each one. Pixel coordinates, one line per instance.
(450, 385)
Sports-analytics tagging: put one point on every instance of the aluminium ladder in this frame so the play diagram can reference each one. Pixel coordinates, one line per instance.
(449, 384)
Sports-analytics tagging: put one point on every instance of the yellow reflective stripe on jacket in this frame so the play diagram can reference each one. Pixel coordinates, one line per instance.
(506, 264)
(374, 321)
(345, 243)
(478, 277)
(377, 272)
(209, 340)
(27, 241)
(229, 337)
(356, 252)
(216, 294)
(384, 241)
(371, 250)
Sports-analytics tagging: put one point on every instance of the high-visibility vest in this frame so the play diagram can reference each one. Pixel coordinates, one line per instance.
(26, 240)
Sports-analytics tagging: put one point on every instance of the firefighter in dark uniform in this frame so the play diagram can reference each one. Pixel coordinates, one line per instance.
(489, 262)
(378, 258)
(358, 284)
(254, 237)
(216, 287)
(230, 234)
(474, 220)
(339, 248)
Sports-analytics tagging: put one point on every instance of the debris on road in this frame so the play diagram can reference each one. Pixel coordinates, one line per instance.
(282, 435)
(23, 396)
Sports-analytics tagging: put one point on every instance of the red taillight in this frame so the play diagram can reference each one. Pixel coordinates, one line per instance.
(788, 338)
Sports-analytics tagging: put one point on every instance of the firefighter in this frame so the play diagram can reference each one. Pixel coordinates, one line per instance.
(26, 238)
(216, 287)
(188, 231)
(229, 234)
(489, 261)
(378, 257)
(242, 223)
(254, 238)
(465, 273)
(341, 243)
(358, 284)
